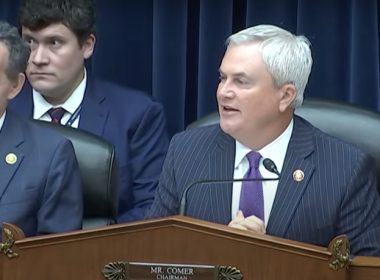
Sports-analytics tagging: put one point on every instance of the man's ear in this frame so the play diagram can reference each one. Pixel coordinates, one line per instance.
(16, 86)
(88, 46)
(288, 95)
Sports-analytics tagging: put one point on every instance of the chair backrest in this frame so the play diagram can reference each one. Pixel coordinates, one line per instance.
(97, 164)
(348, 122)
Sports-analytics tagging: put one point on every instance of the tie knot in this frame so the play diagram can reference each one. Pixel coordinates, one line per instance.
(254, 159)
(56, 114)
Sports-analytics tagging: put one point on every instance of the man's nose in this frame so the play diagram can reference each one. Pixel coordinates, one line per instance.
(39, 55)
(225, 89)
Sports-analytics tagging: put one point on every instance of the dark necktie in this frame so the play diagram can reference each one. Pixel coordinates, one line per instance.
(56, 114)
(251, 196)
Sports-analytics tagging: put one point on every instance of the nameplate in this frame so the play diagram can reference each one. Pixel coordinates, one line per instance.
(159, 271)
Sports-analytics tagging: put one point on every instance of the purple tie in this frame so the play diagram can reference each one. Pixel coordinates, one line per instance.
(251, 196)
(56, 114)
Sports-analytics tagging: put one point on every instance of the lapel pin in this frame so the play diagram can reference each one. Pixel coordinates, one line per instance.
(298, 175)
(11, 158)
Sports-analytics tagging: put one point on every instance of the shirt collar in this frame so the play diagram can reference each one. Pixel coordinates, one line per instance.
(276, 150)
(41, 106)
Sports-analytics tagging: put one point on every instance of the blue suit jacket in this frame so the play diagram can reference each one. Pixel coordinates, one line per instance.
(337, 196)
(40, 191)
(134, 124)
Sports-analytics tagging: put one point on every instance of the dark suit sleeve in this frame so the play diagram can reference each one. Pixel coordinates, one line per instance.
(166, 201)
(148, 149)
(61, 207)
(360, 210)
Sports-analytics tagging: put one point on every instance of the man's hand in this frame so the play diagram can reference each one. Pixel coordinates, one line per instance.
(251, 223)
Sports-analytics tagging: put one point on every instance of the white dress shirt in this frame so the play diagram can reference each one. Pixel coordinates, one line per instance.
(41, 106)
(276, 151)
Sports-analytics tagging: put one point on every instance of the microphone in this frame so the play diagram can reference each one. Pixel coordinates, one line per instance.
(268, 164)
(271, 167)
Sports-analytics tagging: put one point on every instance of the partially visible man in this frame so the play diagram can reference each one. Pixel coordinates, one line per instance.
(327, 186)
(61, 34)
(40, 185)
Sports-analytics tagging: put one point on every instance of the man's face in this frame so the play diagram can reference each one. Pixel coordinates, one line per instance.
(56, 62)
(248, 101)
(8, 88)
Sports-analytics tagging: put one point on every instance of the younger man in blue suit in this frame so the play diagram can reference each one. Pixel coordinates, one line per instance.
(61, 36)
(40, 185)
(327, 186)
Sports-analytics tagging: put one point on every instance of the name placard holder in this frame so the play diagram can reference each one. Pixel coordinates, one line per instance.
(137, 271)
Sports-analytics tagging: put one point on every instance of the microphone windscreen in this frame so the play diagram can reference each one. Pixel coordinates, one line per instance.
(270, 166)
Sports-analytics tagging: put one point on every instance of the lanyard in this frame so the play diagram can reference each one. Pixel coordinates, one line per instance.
(74, 116)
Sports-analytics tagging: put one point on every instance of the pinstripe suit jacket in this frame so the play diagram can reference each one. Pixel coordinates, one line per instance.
(337, 196)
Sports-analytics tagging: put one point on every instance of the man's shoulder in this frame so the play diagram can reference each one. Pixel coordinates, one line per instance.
(199, 137)
(122, 101)
(334, 143)
(119, 93)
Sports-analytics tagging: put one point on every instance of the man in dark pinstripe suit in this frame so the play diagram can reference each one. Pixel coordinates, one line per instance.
(327, 186)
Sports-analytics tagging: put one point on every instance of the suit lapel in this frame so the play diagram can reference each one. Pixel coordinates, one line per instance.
(290, 190)
(93, 115)
(11, 156)
(221, 167)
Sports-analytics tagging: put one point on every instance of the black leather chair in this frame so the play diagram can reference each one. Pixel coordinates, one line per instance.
(348, 122)
(97, 164)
